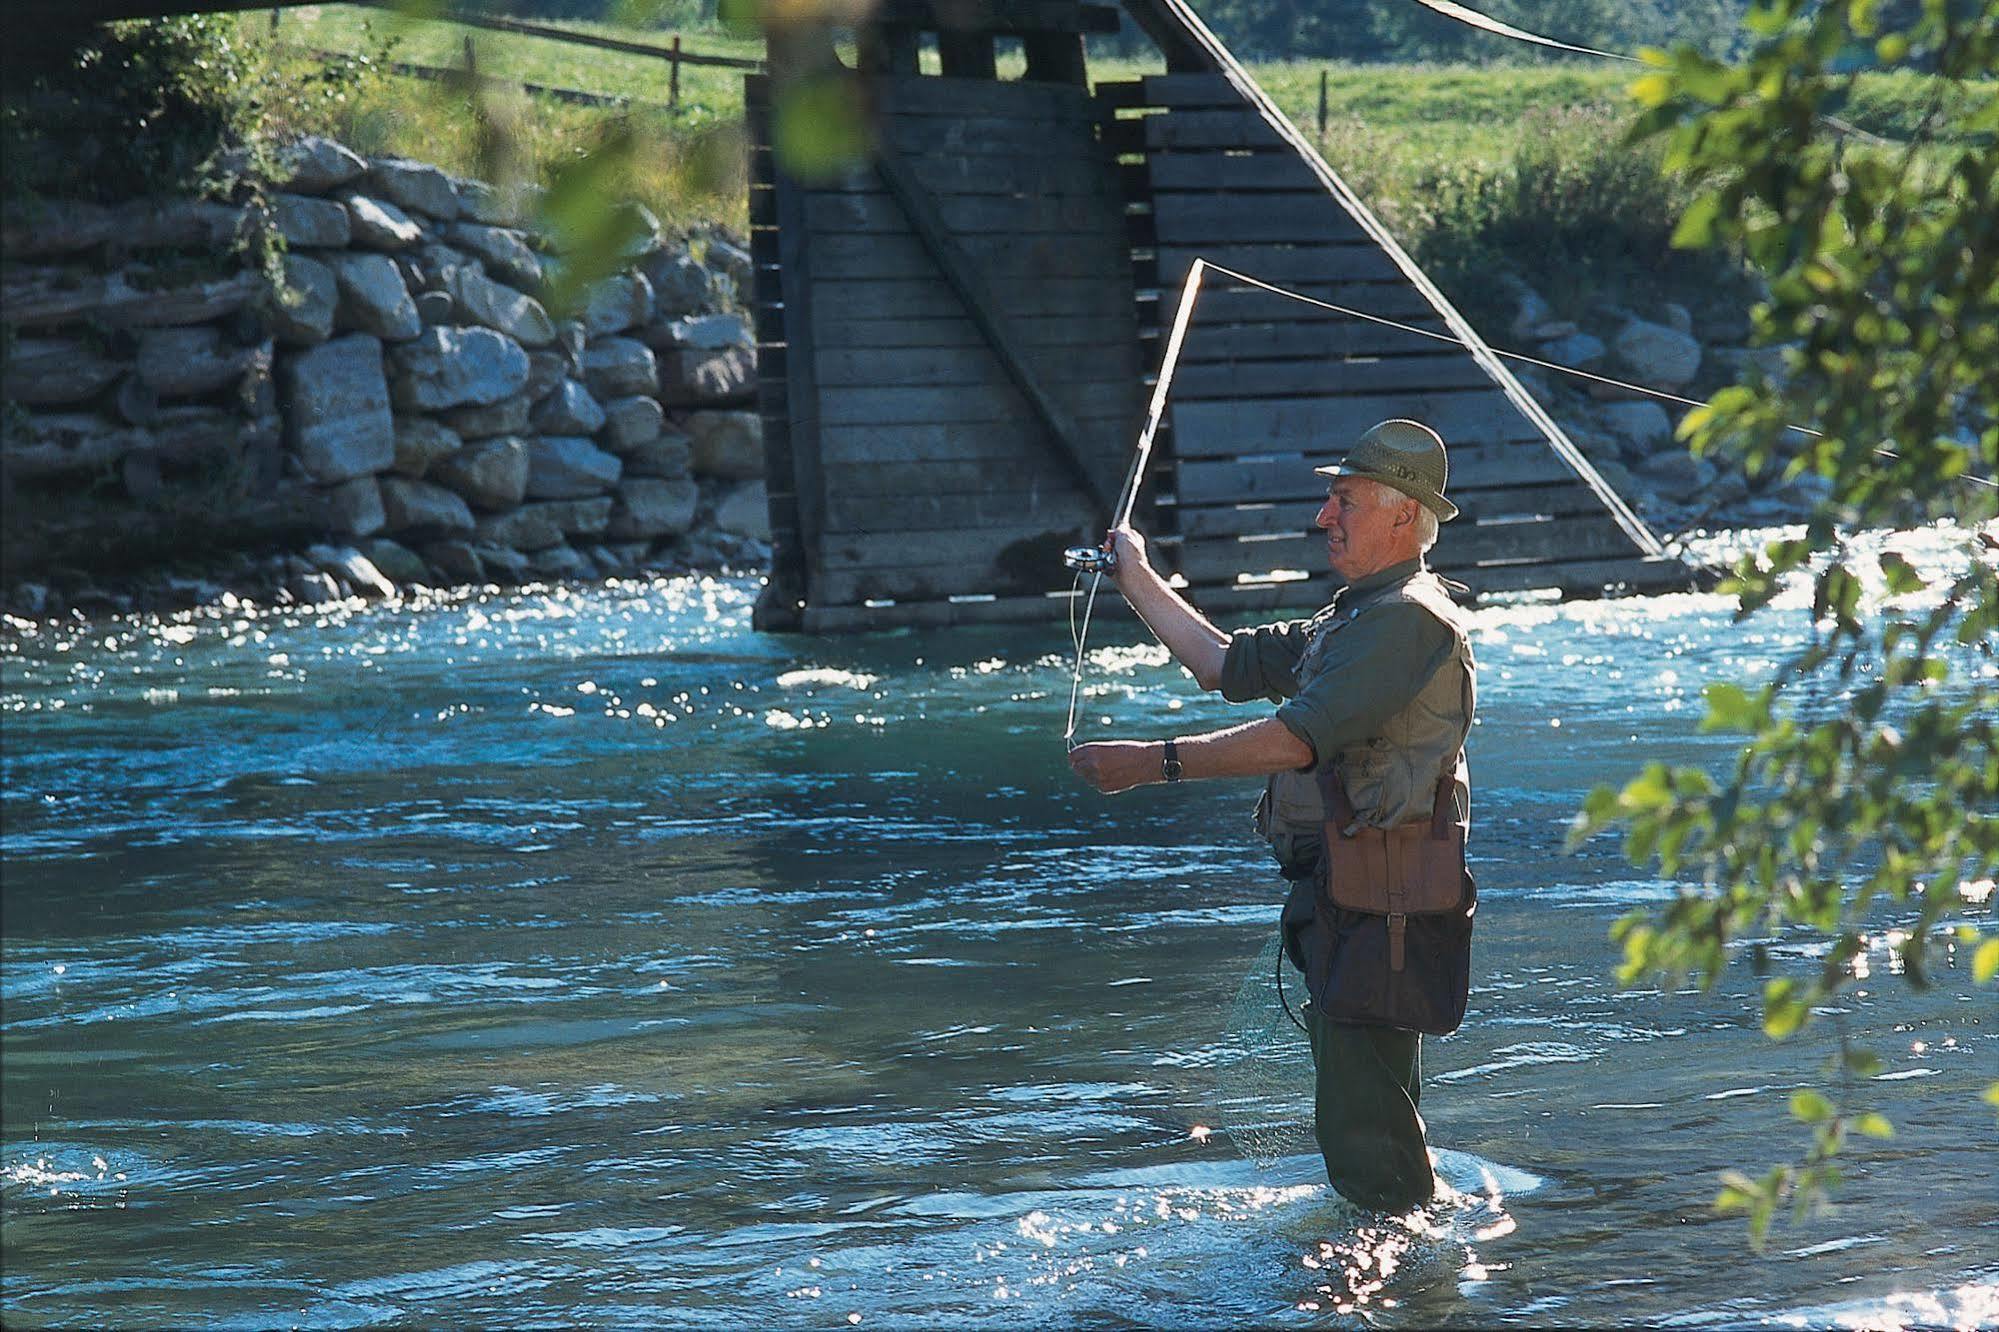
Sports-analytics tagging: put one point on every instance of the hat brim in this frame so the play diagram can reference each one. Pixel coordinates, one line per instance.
(1437, 504)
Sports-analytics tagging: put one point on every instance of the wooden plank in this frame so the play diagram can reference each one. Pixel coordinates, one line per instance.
(1582, 578)
(941, 406)
(1065, 217)
(1198, 219)
(933, 583)
(959, 17)
(1284, 265)
(1041, 609)
(1113, 337)
(1398, 301)
(980, 135)
(858, 481)
(1250, 170)
(1319, 337)
(926, 298)
(1583, 536)
(1189, 90)
(1279, 425)
(1555, 499)
(1011, 98)
(1208, 129)
(1002, 257)
(1291, 479)
(1018, 552)
(1263, 379)
(938, 367)
(1003, 439)
(1038, 507)
(1033, 176)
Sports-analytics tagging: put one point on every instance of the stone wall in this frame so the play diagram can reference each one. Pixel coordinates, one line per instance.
(404, 395)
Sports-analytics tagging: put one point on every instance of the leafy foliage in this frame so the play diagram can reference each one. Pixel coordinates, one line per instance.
(1870, 771)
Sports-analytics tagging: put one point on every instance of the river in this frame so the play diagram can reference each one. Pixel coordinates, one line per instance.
(583, 956)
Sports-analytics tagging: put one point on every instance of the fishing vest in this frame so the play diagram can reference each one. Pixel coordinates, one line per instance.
(1391, 777)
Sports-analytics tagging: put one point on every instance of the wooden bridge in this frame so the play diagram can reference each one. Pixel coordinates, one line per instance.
(955, 343)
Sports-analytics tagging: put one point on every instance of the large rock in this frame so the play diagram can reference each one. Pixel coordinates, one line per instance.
(306, 222)
(434, 264)
(485, 203)
(546, 371)
(562, 562)
(484, 301)
(455, 561)
(680, 285)
(727, 444)
(503, 250)
(379, 225)
(615, 367)
(356, 506)
(562, 467)
(491, 475)
(414, 185)
(373, 298)
(302, 314)
(631, 423)
(353, 568)
(56, 372)
(447, 367)
(397, 562)
(708, 332)
(315, 165)
(1530, 313)
(1578, 351)
(733, 262)
(503, 564)
(649, 507)
(525, 528)
(619, 302)
(695, 377)
(188, 362)
(667, 455)
(422, 508)
(508, 416)
(336, 403)
(1677, 472)
(66, 443)
(1643, 426)
(577, 517)
(570, 410)
(745, 511)
(1658, 356)
(421, 443)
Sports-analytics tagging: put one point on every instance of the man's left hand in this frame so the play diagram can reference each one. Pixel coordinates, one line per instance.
(1117, 765)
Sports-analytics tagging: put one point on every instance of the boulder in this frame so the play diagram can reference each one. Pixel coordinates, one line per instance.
(313, 589)
(615, 367)
(306, 222)
(302, 314)
(398, 562)
(564, 467)
(417, 186)
(434, 265)
(355, 506)
(315, 165)
(485, 203)
(435, 307)
(492, 474)
(669, 455)
(1578, 351)
(336, 404)
(745, 511)
(693, 377)
(503, 564)
(503, 251)
(1678, 317)
(56, 372)
(353, 568)
(619, 302)
(1658, 356)
(1530, 312)
(649, 507)
(188, 362)
(446, 367)
(680, 285)
(708, 332)
(1644, 426)
(733, 262)
(727, 444)
(508, 416)
(420, 443)
(570, 410)
(577, 517)
(631, 423)
(373, 298)
(380, 225)
(1749, 364)
(1674, 471)
(525, 528)
(70, 442)
(423, 508)
(484, 301)
(546, 371)
(561, 562)
(455, 561)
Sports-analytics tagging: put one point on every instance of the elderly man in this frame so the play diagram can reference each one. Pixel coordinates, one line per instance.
(1377, 690)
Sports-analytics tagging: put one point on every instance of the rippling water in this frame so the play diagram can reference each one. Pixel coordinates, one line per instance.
(588, 957)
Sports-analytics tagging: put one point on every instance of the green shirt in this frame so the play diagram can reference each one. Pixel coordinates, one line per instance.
(1374, 666)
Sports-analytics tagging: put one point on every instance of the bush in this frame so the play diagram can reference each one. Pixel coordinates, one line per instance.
(127, 109)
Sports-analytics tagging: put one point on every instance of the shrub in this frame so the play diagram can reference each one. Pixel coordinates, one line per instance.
(126, 109)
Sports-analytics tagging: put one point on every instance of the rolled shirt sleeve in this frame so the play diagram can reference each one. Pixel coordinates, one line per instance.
(1263, 662)
(1376, 666)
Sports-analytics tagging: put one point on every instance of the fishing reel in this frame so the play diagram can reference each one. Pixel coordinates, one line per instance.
(1090, 559)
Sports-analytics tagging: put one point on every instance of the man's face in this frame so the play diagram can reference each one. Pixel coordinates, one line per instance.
(1364, 535)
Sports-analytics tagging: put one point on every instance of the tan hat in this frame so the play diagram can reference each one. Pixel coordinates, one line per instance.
(1405, 455)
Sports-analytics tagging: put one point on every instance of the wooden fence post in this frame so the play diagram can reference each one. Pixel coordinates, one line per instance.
(1322, 106)
(673, 78)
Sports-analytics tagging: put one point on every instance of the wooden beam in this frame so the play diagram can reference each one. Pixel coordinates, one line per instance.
(1006, 17)
(970, 287)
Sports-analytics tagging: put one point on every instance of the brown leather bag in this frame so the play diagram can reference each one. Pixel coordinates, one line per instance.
(1414, 868)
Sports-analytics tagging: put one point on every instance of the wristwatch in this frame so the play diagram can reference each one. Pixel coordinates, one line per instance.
(1170, 766)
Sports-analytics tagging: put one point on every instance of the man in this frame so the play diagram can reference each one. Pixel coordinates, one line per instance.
(1379, 685)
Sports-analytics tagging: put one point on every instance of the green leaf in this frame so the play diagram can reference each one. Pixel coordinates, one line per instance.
(1810, 1107)
(1696, 226)
(1874, 1125)
(1985, 962)
(1784, 1009)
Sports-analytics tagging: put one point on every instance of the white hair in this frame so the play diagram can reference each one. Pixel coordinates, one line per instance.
(1387, 497)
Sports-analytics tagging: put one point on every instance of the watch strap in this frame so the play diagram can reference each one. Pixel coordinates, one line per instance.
(1169, 766)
